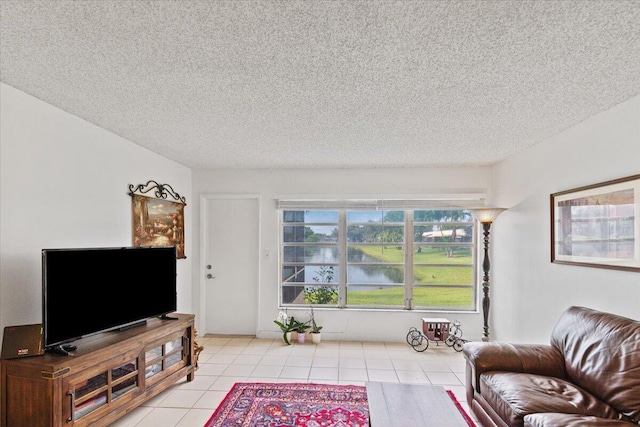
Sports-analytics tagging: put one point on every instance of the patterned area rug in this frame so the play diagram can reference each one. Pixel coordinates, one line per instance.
(292, 404)
(298, 405)
(464, 414)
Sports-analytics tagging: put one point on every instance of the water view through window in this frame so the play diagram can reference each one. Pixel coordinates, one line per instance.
(359, 259)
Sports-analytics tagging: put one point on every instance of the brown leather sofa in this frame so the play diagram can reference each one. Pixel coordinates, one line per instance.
(588, 376)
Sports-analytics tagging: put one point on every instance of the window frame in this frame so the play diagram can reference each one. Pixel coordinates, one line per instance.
(409, 247)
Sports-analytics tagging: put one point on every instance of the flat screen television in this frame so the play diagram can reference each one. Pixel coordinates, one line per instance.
(90, 290)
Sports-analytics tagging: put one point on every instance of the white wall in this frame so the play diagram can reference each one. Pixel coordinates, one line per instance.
(64, 183)
(341, 183)
(529, 292)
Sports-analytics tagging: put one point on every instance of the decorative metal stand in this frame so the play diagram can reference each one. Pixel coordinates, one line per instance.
(486, 216)
(161, 190)
(486, 266)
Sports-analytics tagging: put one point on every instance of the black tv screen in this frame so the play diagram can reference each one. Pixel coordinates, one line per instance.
(91, 290)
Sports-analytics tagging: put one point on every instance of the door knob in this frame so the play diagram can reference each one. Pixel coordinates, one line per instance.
(210, 276)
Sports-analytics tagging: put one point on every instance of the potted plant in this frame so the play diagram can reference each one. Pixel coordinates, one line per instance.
(287, 325)
(315, 329)
(301, 328)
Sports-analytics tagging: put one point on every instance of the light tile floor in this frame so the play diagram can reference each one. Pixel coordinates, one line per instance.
(227, 360)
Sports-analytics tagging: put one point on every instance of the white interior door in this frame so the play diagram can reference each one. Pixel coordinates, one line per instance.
(231, 265)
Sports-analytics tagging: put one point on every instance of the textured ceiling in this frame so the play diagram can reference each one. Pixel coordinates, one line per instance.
(282, 84)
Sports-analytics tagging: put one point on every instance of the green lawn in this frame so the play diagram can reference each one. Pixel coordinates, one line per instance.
(428, 255)
(460, 271)
(456, 269)
(436, 296)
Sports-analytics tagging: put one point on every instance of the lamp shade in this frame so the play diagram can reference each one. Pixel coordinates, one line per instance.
(487, 215)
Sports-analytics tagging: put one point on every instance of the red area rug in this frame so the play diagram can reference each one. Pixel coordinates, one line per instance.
(298, 405)
(292, 404)
(466, 416)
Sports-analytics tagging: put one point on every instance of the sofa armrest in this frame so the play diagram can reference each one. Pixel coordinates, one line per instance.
(540, 359)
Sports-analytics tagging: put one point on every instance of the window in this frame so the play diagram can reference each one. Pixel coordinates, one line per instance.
(443, 259)
(310, 257)
(376, 258)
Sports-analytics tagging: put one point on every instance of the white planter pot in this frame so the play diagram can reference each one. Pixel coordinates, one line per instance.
(301, 337)
(316, 337)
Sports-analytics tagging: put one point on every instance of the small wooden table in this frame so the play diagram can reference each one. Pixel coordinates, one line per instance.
(415, 405)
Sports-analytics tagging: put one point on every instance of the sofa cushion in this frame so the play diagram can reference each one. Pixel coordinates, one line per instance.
(602, 355)
(570, 420)
(513, 395)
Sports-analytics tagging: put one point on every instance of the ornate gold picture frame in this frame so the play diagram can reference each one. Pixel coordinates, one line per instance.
(157, 221)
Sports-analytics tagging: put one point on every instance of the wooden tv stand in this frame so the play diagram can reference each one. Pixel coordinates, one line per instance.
(108, 375)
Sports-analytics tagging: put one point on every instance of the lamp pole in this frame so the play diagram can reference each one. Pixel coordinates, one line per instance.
(486, 266)
(486, 216)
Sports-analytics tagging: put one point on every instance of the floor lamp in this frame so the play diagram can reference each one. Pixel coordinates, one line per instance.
(486, 216)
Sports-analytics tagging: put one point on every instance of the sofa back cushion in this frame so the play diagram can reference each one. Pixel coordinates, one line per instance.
(602, 355)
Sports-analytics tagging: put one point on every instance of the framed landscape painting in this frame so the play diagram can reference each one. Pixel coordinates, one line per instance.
(158, 222)
(598, 225)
